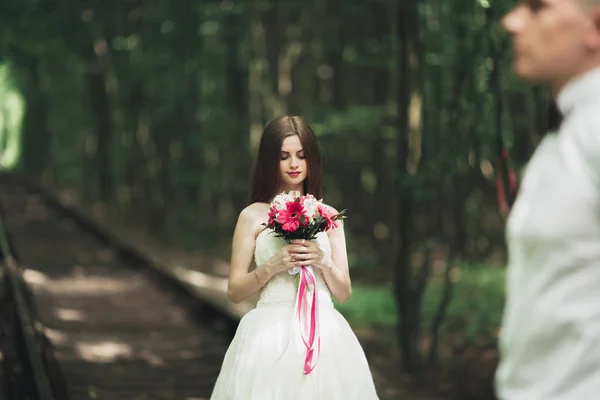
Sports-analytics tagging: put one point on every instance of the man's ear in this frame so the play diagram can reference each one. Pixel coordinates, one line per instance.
(593, 39)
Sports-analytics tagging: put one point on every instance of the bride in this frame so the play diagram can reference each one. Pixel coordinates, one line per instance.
(266, 359)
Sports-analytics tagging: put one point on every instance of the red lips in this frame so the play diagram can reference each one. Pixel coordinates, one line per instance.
(294, 174)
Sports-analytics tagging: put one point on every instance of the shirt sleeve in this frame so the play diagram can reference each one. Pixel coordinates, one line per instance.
(582, 133)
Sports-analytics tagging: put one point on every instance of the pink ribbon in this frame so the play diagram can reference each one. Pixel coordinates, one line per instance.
(306, 312)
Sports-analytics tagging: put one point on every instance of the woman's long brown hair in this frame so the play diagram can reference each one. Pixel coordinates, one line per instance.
(266, 179)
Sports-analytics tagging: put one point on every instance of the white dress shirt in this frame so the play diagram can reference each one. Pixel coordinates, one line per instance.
(550, 335)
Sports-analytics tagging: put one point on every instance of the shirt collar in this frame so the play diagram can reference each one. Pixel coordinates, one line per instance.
(582, 90)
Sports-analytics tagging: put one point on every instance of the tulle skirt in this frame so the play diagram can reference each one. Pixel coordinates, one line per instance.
(265, 360)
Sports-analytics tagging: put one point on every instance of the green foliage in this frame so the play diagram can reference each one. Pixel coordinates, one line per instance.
(156, 108)
(475, 310)
(372, 306)
(186, 83)
(355, 120)
(12, 110)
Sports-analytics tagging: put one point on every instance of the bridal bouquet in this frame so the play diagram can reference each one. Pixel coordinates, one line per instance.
(303, 217)
(300, 217)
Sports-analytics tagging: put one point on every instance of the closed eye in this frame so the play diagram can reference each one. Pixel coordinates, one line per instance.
(534, 5)
(285, 155)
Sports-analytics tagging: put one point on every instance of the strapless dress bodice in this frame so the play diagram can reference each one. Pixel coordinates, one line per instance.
(281, 290)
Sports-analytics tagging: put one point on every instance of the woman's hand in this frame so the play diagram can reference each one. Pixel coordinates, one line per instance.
(307, 253)
(280, 261)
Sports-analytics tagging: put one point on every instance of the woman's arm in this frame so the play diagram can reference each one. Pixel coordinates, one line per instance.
(243, 284)
(337, 275)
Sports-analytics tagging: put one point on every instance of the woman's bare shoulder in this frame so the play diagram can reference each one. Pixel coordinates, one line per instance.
(255, 210)
(254, 216)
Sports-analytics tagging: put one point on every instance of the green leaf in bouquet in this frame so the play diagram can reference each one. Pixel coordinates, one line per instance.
(340, 216)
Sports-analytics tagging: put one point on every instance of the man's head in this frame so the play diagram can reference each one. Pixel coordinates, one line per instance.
(554, 40)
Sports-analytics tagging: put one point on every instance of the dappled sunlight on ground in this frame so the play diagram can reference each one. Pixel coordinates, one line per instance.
(66, 314)
(103, 352)
(109, 351)
(150, 358)
(56, 337)
(78, 284)
(35, 278)
(211, 286)
(200, 279)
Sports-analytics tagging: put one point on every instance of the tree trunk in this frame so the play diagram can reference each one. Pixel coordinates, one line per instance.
(407, 290)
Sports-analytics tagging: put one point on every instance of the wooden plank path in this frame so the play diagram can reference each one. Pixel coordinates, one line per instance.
(121, 322)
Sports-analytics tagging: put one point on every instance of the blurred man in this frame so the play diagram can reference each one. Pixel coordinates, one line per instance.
(550, 336)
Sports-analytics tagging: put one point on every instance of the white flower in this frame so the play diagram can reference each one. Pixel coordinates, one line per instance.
(281, 200)
(311, 205)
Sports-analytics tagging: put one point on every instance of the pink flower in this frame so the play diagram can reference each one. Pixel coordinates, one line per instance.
(273, 214)
(326, 213)
(292, 217)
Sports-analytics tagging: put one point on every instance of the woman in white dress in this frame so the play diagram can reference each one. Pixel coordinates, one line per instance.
(266, 359)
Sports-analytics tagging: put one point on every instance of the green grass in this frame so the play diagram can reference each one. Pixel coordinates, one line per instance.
(476, 307)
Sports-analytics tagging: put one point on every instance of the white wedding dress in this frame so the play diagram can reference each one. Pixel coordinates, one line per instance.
(265, 360)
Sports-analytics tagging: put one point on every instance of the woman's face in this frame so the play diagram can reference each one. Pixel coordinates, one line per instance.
(292, 164)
